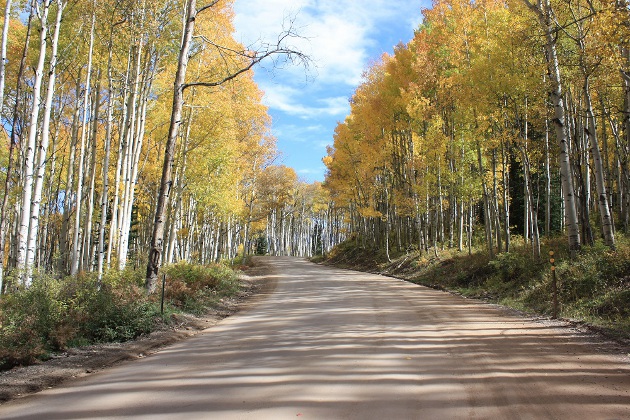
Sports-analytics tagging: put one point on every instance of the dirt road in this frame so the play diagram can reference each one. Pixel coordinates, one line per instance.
(335, 344)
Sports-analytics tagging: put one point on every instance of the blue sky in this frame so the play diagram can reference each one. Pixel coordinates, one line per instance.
(342, 37)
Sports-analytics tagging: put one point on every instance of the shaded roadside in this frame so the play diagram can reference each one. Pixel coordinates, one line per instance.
(79, 362)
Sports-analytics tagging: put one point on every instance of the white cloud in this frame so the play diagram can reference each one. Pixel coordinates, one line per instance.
(342, 37)
(310, 171)
(339, 33)
(291, 101)
(301, 134)
(337, 105)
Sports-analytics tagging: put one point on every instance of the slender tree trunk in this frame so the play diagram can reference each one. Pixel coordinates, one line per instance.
(13, 144)
(598, 169)
(76, 254)
(68, 196)
(3, 50)
(29, 153)
(529, 196)
(495, 202)
(179, 182)
(108, 142)
(387, 221)
(116, 211)
(486, 205)
(88, 258)
(547, 182)
(505, 179)
(128, 161)
(43, 147)
(624, 186)
(578, 146)
(471, 222)
(157, 237)
(544, 14)
(440, 205)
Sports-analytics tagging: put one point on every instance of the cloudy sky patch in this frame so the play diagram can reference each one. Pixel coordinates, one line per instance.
(341, 37)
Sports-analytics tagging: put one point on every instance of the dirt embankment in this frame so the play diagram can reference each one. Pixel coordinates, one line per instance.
(79, 362)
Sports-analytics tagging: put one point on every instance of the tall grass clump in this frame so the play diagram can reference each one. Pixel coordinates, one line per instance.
(596, 286)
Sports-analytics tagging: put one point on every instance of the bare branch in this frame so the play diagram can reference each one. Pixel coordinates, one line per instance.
(253, 61)
(206, 7)
(242, 61)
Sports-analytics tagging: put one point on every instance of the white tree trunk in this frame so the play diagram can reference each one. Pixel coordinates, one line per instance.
(544, 13)
(3, 49)
(114, 223)
(29, 153)
(130, 138)
(108, 142)
(84, 127)
(13, 139)
(45, 141)
(157, 237)
(88, 257)
(608, 231)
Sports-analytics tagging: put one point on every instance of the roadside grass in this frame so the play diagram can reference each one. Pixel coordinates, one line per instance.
(195, 288)
(54, 314)
(593, 288)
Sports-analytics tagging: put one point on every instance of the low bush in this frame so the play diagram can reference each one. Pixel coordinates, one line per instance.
(53, 314)
(194, 288)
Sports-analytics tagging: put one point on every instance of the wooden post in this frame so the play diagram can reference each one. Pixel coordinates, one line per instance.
(554, 286)
(162, 299)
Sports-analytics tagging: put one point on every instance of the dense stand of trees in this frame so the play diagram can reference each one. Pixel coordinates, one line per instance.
(93, 121)
(498, 118)
(298, 218)
(135, 134)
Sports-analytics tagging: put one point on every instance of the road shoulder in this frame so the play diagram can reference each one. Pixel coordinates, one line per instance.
(79, 362)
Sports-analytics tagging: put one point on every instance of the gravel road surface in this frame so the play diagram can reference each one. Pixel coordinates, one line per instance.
(326, 343)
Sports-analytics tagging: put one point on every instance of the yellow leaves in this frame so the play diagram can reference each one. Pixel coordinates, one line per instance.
(435, 136)
(418, 107)
(369, 212)
(328, 160)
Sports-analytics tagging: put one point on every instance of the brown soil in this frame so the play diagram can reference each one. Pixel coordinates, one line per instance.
(79, 362)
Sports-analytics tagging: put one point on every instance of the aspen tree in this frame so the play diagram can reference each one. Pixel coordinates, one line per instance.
(108, 144)
(606, 220)
(29, 152)
(244, 61)
(544, 13)
(87, 259)
(44, 143)
(3, 49)
(75, 258)
(14, 137)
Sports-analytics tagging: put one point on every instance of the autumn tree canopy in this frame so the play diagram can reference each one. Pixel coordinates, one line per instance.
(505, 116)
(499, 119)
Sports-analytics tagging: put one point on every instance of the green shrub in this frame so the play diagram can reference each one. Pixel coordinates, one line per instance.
(54, 314)
(193, 288)
(28, 318)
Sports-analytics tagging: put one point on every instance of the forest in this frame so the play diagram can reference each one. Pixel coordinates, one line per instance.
(489, 156)
(88, 99)
(509, 118)
(136, 138)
